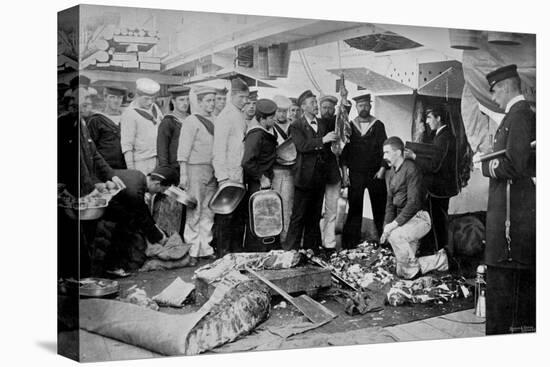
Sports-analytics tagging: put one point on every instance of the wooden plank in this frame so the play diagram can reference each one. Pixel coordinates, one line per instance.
(400, 334)
(423, 331)
(130, 64)
(134, 39)
(149, 66)
(150, 59)
(124, 56)
(455, 328)
(300, 279)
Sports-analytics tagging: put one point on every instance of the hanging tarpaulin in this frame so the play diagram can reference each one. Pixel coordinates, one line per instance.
(478, 63)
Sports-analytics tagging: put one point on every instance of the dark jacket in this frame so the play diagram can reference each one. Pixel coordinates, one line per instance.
(167, 143)
(259, 154)
(106, 136)
(405, 193)
(514, 134)
(80, 166)
(363, 153)
(130, 205)
(310, 168)
(440, 176)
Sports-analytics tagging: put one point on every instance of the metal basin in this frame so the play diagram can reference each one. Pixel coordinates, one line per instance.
(227, 197)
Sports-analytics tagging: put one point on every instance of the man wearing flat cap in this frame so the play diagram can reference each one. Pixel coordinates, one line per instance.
(197, 173)
(309, 134)
(229, 131)
(364, 168)
(139, 127)
(511, 215)
(221, 100)
(334, 184)
(260, 145)
(169, 130)
(104, 126)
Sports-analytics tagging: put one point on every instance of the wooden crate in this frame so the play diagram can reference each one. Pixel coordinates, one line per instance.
(301, 279)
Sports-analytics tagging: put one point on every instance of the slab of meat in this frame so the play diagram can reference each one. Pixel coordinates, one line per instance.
(241, 309)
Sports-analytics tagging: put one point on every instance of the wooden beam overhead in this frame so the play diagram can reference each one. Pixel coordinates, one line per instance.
(249, 34)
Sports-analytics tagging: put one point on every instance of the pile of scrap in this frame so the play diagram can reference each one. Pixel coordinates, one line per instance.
(112, 48)
(362, 266)
(427, 289)
(368, 270)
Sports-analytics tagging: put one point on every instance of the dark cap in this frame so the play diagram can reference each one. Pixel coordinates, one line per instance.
(80, 81)
(505, 72)
(238, 85)
(328, 98)
(305, 95)
(362, 98)
(179, 91)
(253, 96)
(115, 90)
(164, 174)
(294, 101)
(266, 106)
(222, 91)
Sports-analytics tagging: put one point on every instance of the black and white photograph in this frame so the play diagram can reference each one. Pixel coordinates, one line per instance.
(229, 182)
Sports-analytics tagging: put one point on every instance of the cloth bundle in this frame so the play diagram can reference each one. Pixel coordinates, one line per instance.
(170, 256)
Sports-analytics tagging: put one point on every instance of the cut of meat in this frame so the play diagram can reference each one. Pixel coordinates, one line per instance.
(242, 308)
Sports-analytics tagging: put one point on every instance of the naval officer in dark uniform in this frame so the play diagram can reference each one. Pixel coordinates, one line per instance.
(511, 216)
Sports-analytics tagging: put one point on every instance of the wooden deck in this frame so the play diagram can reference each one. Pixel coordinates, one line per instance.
(463, 324)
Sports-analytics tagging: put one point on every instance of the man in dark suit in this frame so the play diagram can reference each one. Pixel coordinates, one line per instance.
(440, 176)
(309, 135)
(511, 215)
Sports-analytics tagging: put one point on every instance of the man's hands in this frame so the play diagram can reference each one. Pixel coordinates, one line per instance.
(330, 137)
(476, 161)
(118, 182)
(184, 182)
(265, 182)
(388, 228)
(380, 174)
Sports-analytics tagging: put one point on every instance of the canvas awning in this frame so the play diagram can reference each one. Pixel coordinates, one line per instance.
(374, 82)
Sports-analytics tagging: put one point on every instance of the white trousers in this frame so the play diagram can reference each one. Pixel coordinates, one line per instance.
(404, 241)
(283, 183)
(328, 221)
(146, 166)
(199, 221)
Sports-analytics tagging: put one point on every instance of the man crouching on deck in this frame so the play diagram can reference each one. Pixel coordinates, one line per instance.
(405, 222)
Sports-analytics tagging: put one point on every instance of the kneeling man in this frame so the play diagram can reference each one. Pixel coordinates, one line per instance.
(405, 221)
